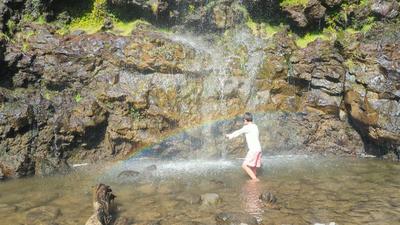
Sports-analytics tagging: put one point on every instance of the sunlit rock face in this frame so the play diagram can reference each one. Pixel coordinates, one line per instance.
(102, 96)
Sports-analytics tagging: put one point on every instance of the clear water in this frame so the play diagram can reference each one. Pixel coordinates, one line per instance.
(309, 190)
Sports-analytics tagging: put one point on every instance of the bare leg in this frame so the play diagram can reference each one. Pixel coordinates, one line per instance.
(254, 169)
(250, 172)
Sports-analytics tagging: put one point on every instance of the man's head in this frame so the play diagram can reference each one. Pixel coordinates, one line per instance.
(247, 118)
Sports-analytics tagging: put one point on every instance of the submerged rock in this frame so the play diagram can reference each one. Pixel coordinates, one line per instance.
(128, 173)
(234, 218)
(210, 199)
(269, 200)
(42, 215)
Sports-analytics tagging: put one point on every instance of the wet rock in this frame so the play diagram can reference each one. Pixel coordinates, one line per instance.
(15, 118)
(104, 207)
(385, 8)
(370, 97)
(93, 220)
(226, 15)
(234, 218)
(42, 214)
(128, 173)
(50, 166)
(268, 197)
(269, 200)
(210, 199)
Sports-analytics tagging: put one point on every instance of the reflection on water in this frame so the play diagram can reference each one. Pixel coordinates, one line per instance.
(251, 192)
(309, 190)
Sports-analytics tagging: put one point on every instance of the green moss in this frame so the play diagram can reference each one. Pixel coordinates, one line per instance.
(25, 47)
(4, 36)
(364, 3)
(11, 26)
(293, 2)
(350, 64)
(49, 95)
(78, 98)
(252, 25)
(135, 113)
(191, 9)
(86, 23)
(154, 7)
(93, 21)
(271, 29)
(369, 23)
(41, 20)
(302, 42)
(266, 29)
(126, 28)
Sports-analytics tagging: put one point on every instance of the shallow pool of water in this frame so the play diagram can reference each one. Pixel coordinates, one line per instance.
(309, 190)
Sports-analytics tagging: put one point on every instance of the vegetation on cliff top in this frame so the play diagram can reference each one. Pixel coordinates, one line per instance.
(293, 2)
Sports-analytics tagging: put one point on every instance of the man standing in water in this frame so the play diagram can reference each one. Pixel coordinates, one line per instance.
(253, 156)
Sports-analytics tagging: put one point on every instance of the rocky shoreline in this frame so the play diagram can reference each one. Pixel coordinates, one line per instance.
(75, 97)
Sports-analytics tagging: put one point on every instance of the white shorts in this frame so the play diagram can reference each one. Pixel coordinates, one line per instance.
(253, 159)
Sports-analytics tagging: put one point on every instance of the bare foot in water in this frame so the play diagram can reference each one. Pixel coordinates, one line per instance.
(254, 180)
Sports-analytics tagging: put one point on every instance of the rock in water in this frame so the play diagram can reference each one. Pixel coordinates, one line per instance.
(234, 218)
(128, 173)
(268, 197)
(103, 206)
(269, 200)
(42, 215)
(210, 199)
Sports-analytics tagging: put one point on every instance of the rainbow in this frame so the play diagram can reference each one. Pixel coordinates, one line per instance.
(148, 151)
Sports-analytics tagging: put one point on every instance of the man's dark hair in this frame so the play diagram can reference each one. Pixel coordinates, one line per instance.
(248, 117)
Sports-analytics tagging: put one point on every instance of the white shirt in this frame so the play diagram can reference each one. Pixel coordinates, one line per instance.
(251, 132)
